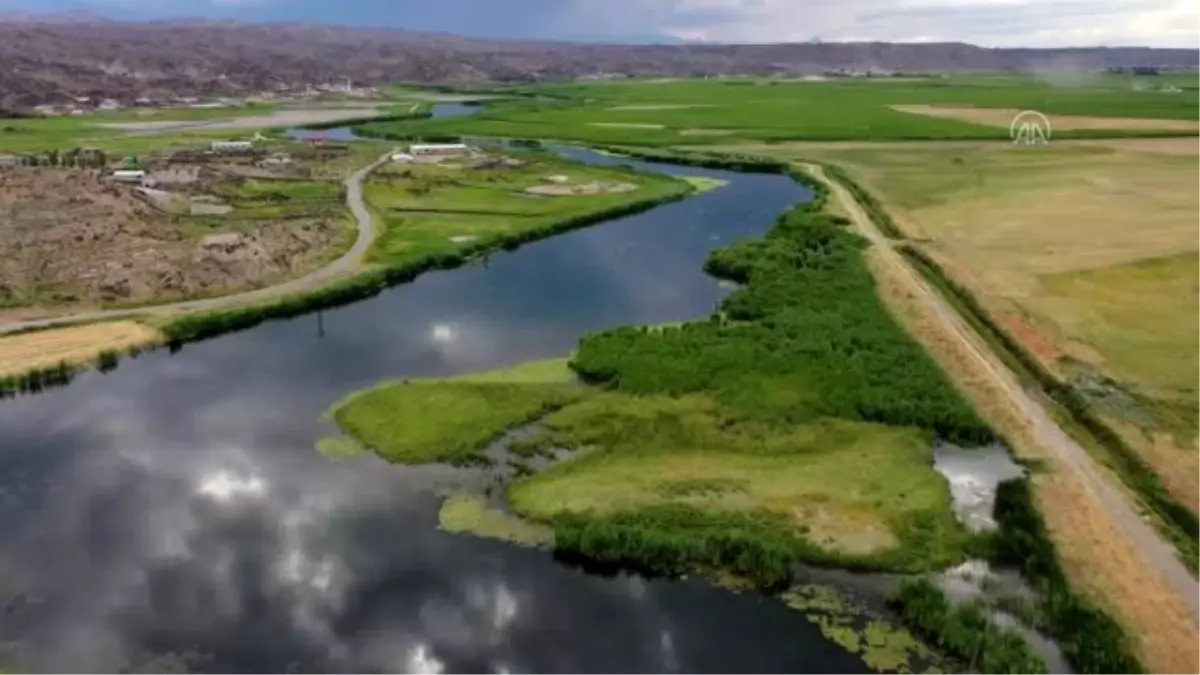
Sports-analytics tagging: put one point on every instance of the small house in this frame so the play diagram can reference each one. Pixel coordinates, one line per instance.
(438, 149)
(129, 175)
(232, 146)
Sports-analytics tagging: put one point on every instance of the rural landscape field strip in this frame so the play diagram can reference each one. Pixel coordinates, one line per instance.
(699, 112)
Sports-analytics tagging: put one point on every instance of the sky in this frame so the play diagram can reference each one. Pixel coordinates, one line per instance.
(999, 23)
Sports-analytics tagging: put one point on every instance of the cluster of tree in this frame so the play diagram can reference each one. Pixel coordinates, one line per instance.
(806, 336)
(964, 632)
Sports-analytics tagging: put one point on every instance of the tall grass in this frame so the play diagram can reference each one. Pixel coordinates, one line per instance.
(964, 632)
(1089, 638)
(37, 379)
(673, 539)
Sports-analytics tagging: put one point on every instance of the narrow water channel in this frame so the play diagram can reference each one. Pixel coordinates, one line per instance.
(174, 514)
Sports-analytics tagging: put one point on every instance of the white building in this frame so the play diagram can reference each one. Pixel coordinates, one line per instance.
(402, 157)
(231, 146)
(129, 176)
(437, 149)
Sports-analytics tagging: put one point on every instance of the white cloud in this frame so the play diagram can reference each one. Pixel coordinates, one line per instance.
(1001, 23)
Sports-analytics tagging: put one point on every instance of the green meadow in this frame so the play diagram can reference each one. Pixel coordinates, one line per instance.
(431, 209)
(662, 113)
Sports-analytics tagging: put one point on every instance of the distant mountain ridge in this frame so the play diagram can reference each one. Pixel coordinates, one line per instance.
(49, 59)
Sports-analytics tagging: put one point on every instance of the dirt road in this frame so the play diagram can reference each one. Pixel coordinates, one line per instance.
(346, 263)
(1158, 553)
(281, 118)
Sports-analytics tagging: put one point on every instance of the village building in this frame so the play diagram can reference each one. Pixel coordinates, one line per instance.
(438, 149)
(232, 146)
(129, 175)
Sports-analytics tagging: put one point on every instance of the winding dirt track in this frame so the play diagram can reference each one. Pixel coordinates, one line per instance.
(346, 263)
(1046, 432)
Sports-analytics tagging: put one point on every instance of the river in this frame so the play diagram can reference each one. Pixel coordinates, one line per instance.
(346, 133)
(173, 514)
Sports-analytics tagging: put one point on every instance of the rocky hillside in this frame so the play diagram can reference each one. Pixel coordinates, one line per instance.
(47, 60)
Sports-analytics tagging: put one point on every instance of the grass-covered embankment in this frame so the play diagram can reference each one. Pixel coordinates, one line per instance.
(1177, 522)
(46, 357)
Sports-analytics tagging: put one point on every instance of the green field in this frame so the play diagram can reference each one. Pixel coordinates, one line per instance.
(430, 209)
(707, 111)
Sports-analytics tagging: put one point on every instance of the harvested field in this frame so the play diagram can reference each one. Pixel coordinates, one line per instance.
(1003, 117)
(72, 237)
(76, 344)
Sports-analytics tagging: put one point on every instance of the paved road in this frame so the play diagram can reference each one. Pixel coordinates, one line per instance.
(346, 263)
(1046, 431)
(280, 118)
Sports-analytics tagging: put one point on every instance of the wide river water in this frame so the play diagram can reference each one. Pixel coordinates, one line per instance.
(174, 514)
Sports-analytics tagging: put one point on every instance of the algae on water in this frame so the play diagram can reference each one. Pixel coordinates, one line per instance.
(882, 645)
